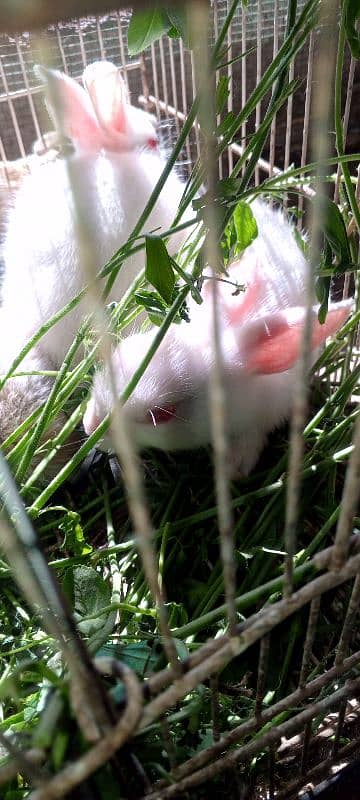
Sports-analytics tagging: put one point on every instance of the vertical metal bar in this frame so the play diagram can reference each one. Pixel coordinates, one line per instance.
(156, 81)
(183, 92)
(199, 18)
(310, 636)
(258, 75)
(196, 125)
(271, 772)
(273, 124)
(305, 136)
(262, 672)
(168, 742)
(30, 97)
(289, 123)
(82, 45)
(243, 71)
(4, 160)
(339, 727)
(349, 622)
(164, 74)
(305, 747)
(144, 80)
(325, 65)
(62, 51)
(230, 77)
(122, 48)
(349, 503)
(100, 38)
(215, 707)
(13, 115)
(349, 91)
(217, 75)
(173, 83)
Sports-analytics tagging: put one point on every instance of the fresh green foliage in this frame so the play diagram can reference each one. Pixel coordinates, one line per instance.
(351, 10)
(336, 253)
(147, 25)
(245, 227)
(159, 271)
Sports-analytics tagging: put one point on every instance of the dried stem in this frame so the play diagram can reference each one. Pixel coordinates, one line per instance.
(112, 740)
(206, 113)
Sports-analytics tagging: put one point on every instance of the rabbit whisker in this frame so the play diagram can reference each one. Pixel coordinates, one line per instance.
(152, 418)
(171, 414)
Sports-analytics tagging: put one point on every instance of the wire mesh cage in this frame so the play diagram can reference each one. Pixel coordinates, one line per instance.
(192, 634)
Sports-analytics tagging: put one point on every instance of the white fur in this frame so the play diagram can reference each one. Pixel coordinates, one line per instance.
(115, 176)
(41, 252)
(178, 375)
(116, 166)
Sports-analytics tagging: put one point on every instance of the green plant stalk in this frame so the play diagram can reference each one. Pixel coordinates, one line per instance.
(71, 423)
(102, 428)
(242, 603)
(46, 414)
(114, 263)
(319, 538)
(339, 132)
(276, 69)
(71, 561)
(190, 119)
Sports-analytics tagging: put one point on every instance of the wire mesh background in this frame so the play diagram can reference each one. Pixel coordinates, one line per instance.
(162, 79)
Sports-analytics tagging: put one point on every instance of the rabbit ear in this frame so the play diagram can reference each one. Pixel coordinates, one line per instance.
(123, 126)
(272, 343)
(71, 108)
(108, 95)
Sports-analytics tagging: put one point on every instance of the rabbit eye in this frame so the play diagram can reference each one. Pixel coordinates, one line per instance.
(158, 416)
(152, 143)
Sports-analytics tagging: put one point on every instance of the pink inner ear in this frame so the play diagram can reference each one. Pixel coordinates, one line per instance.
(108, 95)
(73, 113)
(272, 344)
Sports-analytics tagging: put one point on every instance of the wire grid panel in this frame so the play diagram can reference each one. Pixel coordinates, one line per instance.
(69, 47)
(169, 88)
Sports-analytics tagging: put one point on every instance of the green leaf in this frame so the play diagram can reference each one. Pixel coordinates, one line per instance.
(91, 596)
(74, 541)
(322, 293)
(178, 20)
(59, 748)
(225, 125)
(159, 271)
(351, 16)
(140, 657)
(245, 226)
(335, 233)
(222, 93)
(153, 304)
(323, 283)
(173, 33)
(145, 27)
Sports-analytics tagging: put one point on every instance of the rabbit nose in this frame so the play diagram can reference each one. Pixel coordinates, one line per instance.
(91, 419)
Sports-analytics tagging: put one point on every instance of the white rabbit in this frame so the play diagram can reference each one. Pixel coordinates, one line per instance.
(116, 165)
(260, 338)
